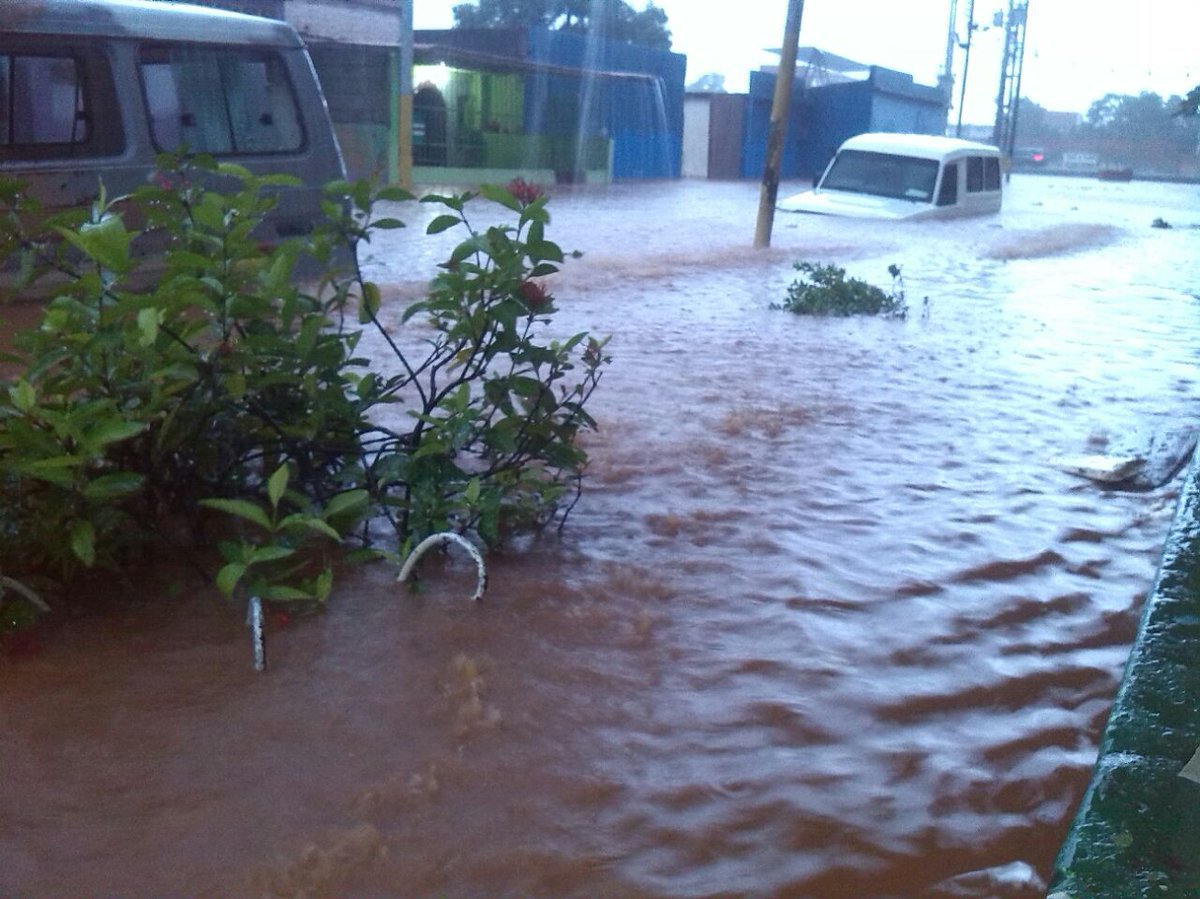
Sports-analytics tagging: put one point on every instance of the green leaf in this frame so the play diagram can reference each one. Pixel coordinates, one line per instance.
(55, 470)
(148, 323)
(277, 484)
(388, 224)
(442, 223)
(544, 249)
(114, 486)
(209, 213)
(371, 554)
(112, 432)
(235, 383)
(500, 195)
(284, 593)
(240, 508)
(342, 503)
(280, 180)
(469, 247)
(272, 553)
(23, 396)
(294, 522)
(235, 171)
(371, 302)
(228, 577)
(105, 242)
(83, 542)
(323, 585)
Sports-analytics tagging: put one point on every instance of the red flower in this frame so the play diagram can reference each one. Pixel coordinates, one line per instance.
(534, 294)
(524, 192)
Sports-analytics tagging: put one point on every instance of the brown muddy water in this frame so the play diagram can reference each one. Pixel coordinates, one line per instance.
(828, 622)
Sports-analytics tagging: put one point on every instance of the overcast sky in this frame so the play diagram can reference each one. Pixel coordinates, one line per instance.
(1076, 50)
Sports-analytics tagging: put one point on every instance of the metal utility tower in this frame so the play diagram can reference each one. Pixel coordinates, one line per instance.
(1008, 98)
(946, 78)
(966, 45)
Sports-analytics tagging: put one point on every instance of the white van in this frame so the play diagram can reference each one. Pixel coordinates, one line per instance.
(94, 89)
(905, 176)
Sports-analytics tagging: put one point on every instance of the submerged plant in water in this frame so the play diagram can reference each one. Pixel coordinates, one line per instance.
(825, 290)
(183, 383)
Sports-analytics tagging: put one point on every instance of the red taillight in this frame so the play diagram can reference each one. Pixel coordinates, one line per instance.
(1038, 157)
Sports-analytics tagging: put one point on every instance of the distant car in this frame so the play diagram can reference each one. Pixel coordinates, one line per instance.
(1029, 157)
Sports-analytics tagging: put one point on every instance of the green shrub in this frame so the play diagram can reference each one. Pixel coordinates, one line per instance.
(182, 383)
(825, 290)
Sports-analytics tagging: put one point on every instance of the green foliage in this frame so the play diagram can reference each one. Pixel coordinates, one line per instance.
(1146, 117)
(825, 290)
(1190, 105)
(182, 383)
(613, 19)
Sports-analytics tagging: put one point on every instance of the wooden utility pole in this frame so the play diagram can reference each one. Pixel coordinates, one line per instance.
(780, 105)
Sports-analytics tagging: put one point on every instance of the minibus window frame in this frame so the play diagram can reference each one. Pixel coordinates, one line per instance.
(233, 136)
(31, 69)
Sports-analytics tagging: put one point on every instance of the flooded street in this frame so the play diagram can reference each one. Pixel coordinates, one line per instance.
(827, 622)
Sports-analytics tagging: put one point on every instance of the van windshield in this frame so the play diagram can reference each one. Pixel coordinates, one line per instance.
(882, 175)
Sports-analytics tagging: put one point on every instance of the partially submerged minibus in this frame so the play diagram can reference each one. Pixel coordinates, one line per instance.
(905, 176)
(94, 90)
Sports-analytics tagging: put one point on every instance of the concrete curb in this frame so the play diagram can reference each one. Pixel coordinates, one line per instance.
(1137, 831)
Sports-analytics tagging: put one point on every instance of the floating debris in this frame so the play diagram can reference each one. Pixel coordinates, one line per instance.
(1191, 770)
(1138, 466)
(1099, 467)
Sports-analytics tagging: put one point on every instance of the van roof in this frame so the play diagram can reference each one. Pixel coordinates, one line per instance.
(926, 146)
(154, 19)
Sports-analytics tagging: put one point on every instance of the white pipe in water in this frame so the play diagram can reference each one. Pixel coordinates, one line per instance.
(15, 585)
(441, 540)
(254, 620)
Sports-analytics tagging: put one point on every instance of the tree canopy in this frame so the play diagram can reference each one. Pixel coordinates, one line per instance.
(612, 19)
(1190, 105)
(1144, 117)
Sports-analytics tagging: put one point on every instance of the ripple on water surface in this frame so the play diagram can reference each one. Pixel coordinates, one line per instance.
(827, 621)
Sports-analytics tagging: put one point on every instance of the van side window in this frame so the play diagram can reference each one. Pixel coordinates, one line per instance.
(220, 101)
(948, 192)
(57, 102)
(974, 174)
(42, 105)
(991, 173)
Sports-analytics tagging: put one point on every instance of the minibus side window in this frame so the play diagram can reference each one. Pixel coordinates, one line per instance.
(42, 105)
(991, 173)
(220, 101)
(948, 192)
(974, 174)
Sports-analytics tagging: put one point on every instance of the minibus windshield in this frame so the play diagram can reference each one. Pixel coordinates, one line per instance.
(882, 175)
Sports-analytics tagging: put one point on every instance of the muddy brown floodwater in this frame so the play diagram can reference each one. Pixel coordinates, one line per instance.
(828, 621)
